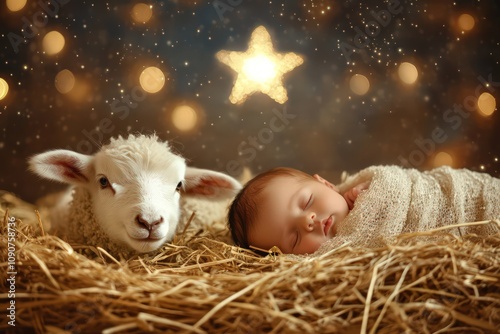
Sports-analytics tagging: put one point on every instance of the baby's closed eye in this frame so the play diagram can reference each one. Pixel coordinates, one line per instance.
(309, 202)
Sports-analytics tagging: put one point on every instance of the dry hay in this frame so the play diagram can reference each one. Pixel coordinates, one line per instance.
(200, 284)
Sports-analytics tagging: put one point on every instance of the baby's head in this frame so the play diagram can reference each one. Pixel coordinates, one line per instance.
(287, 208)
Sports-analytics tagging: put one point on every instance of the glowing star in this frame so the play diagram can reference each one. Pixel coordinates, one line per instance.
(260, 68)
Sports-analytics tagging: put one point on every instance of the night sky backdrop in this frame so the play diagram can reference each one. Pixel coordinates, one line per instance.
(412, 83)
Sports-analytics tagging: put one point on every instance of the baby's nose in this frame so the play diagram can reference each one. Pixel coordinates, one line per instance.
(308, 222)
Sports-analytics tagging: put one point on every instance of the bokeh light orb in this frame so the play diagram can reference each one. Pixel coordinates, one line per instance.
(184, 117)
(486, 104)
(15, 5)
(53, 42)
(4, 88)
(359, 84)
(64, 81)
(466, 22)
(141, 12)
(443, 159)
(408, 73)
(152, 79)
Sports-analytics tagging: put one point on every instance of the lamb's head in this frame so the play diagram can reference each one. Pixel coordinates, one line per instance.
(135, 185)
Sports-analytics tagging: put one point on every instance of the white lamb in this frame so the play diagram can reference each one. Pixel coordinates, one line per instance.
(125, 198)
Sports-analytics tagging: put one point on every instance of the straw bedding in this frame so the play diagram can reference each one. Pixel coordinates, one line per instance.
(202, 284)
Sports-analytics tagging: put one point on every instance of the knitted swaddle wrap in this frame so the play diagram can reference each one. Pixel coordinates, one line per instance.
(405, 200)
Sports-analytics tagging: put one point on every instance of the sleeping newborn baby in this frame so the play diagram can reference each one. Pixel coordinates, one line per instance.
(289, 209)
(298, 213)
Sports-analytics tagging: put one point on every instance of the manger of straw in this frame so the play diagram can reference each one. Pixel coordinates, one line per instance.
(200, 283)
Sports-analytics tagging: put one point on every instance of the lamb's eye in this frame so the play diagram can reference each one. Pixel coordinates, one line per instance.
(179, 186)
(103, 182)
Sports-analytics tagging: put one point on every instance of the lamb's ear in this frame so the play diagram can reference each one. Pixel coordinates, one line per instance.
(63, 166)
(210, 184)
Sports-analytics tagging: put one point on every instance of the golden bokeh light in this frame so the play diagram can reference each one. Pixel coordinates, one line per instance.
(152, 79)
(141, 12)
(4, 88)
(53, 42)
(466, 22)
(359, 84)
(64, 81)
(184, 117)
(260, 68)
(443, 159)
(15, 5)
(408, 73)
(81, 91)
(486, 104)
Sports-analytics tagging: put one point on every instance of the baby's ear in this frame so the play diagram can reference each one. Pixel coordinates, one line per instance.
(325, 182)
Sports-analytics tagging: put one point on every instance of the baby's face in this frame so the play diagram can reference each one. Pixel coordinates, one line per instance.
(297, 215)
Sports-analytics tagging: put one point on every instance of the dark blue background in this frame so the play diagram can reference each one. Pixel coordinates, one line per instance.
(334, 130)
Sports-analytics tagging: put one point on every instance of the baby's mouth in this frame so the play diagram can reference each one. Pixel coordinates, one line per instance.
(327, 225)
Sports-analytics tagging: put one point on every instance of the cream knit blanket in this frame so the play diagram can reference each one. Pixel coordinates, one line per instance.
(405, 200)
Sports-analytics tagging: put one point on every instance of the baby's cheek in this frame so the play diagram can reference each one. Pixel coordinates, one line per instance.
(311, 245)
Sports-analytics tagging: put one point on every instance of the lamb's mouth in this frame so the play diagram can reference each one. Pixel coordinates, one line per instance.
(147, 239)
(145, 245)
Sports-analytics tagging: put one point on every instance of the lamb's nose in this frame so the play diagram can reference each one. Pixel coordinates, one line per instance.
(148, 225)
